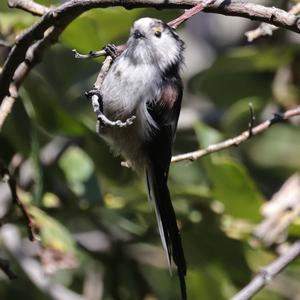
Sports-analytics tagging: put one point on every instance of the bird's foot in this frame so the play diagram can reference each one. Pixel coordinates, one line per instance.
(118, 123)
(95, 97)
(111, 50)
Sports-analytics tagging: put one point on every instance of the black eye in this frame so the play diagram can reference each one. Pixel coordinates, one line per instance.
(137, 34)
(157, 33)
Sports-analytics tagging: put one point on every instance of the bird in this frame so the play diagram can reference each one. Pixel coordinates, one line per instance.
(140, 102)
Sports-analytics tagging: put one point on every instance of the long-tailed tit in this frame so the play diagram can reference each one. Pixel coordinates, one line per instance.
(139, 107)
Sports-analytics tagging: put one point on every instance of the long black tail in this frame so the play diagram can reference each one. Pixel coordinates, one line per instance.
(166, 219)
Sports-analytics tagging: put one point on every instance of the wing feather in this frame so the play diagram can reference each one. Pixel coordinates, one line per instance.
(165, 113)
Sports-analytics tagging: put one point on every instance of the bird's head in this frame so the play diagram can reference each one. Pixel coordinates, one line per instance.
(154, 42)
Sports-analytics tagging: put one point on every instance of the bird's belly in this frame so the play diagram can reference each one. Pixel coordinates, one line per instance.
(128, 142)
(126, 86)
(125, 93)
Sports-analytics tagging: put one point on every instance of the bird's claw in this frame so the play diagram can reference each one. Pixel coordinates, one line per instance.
(111, 50)
(118, 123)
(93, 92)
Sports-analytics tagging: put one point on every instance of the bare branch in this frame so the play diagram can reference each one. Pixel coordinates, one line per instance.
(104, 69)
(7, 104)
(267, 29)
(238, 139)
(29, 223)
(279, 212)
(252, 120)
(48, 156)
(268, 273)
(30, 6)
(33, 57)
(11, 181)
(91, 54)
(5, 44)
(103, 52)
(68, 11)
(190, 12)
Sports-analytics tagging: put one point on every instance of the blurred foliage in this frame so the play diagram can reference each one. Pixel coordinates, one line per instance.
(217, 199)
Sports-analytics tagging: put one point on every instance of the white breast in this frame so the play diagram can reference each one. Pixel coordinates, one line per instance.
(126, 90)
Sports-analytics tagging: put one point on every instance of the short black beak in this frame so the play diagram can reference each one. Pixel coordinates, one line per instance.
(137, 34)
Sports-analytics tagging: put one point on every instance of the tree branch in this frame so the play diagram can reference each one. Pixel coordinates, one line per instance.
(278, 117)
(268, 273)
(30, 6)
(11, 181)
(279, 212)
(68, 11)
(48, 156)
(267, 29)
(7, 104)
(33, 57)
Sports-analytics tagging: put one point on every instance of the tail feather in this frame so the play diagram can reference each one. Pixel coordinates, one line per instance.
(166, 219)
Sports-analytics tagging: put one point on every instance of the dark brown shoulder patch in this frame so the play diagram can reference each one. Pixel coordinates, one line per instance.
(169, 96)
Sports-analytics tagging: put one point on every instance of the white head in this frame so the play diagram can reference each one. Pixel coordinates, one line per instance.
(153, 42)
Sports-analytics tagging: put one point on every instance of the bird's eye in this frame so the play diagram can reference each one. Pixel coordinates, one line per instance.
(157, 34)
(137, 34)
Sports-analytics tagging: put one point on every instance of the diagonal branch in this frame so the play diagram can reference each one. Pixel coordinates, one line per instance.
(4, 173)
(268, 273)
(278, 117)
(33, 57)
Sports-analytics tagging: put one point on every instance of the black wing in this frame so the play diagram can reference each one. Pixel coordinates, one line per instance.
(165, 113)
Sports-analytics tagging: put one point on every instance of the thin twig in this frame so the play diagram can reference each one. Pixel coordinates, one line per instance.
(30, 6)
(268, 273)
(278, 117)
(7, 104)
(91, 54)
(104, 69)
(252, 120)
(267, 29)
(189, 13)
(279, 212)
(103, 52)
(4, 172)
(29, 224)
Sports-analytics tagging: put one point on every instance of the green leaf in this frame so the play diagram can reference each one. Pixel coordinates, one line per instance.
(53, 234)
(202, 284)
(79, 171)
(49, 113)
(254, 59)
(278, 147)
(230, 181)
(95, 28)
(207, 135)
(242, 72)
(237, 117)
(232, 186)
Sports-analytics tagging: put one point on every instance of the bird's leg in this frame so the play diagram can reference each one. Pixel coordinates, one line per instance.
(95, 97)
